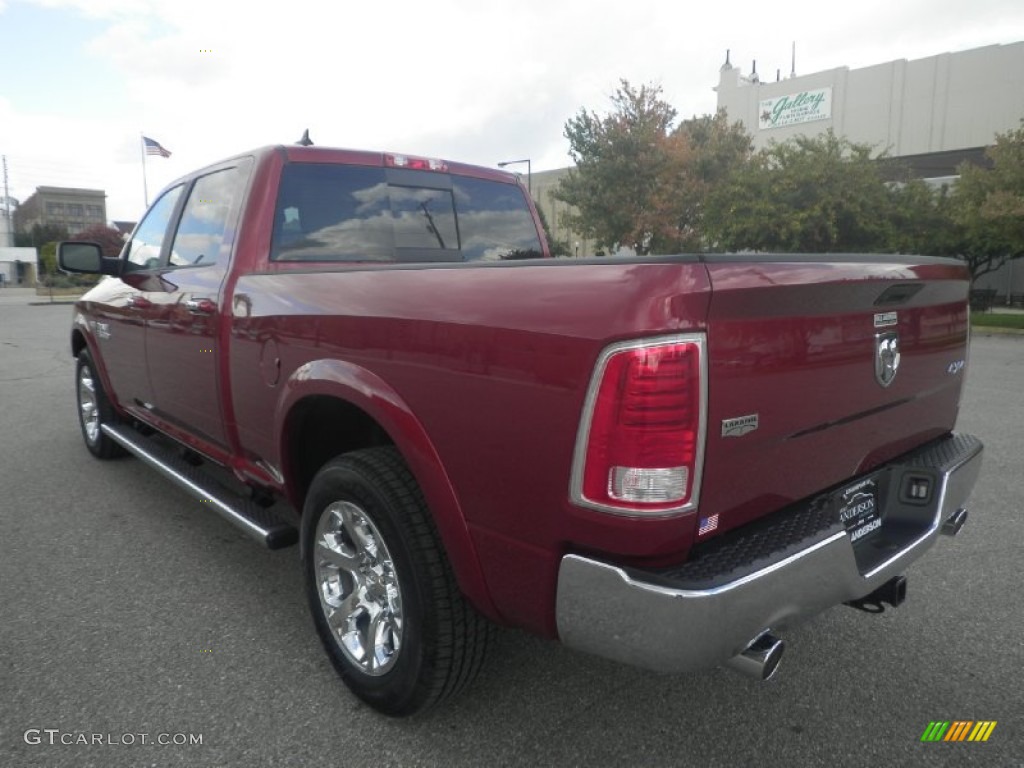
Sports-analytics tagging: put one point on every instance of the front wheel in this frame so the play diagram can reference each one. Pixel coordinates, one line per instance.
(94, 409)
(384, 600)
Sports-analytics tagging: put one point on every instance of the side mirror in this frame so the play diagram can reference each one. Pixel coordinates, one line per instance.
(87, 258)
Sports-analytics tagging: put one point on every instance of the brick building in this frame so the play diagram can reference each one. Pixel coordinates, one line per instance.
(69, 207)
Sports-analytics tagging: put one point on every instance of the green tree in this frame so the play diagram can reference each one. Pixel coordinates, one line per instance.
(922, 222)
(816, 195)
(40, 235)
(638, 181)
(557, 247)
(48, 259)
(627, 163)
(717, 150)
(988, 203)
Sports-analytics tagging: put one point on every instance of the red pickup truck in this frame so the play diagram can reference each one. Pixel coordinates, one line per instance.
(663, 460)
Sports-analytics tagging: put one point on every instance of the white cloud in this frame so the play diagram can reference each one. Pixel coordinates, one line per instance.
(461, 79)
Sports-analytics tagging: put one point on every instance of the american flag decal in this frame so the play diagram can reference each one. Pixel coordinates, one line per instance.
(707, 525)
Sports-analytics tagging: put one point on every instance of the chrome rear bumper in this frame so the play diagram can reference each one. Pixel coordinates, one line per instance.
(645, 619)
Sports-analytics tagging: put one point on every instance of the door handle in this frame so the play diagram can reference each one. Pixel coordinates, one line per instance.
(139, 302)
(200, 306)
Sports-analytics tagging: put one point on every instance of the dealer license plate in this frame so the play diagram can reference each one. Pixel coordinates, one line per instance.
(858, 509)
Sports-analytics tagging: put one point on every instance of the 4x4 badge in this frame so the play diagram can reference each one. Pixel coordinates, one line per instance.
(887, 357)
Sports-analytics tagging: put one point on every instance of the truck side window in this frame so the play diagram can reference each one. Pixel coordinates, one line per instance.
(495, 221)
(211, 207)
(146, 244)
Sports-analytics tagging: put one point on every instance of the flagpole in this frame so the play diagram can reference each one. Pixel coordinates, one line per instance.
(145, 190)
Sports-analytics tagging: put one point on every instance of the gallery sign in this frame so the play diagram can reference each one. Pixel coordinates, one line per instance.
(803, 107)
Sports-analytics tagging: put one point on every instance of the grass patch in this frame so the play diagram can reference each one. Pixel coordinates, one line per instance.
(997, 320)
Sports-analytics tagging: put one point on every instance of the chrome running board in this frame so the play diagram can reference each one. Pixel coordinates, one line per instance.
(262, 524)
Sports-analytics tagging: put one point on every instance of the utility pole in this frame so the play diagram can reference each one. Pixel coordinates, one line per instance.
(145, 190)
(7, 208)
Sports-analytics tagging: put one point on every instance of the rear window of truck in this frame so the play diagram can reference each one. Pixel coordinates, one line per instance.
(356, 213)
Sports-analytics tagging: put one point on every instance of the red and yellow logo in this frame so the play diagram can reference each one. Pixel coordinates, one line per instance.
(958, 730)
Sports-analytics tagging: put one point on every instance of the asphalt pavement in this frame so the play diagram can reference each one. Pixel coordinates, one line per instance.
(130, 615)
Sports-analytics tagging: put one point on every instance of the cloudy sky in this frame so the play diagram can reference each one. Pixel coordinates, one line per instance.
(467, 80)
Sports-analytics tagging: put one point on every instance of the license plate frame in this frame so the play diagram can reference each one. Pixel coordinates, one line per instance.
(858, 508)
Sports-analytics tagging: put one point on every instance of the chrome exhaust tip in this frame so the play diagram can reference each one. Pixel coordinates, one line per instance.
(955, 522)
(760, 659)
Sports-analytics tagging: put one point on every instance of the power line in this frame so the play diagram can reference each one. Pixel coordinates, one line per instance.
(27, 175)
(49, 163)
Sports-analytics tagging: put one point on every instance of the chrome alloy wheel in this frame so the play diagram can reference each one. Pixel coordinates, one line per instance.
(358, 587)
(88, 407)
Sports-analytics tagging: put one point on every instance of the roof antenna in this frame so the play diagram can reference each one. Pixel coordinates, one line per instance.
(792, 72)
(753, 75)
(727, 65)
(305, 141)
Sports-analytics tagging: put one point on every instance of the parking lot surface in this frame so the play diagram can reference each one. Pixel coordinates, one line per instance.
(129, 610)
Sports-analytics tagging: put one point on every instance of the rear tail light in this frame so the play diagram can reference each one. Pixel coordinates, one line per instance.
(640, 445)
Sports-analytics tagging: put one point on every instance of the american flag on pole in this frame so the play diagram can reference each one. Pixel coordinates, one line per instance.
(154, 147)
(707, 525)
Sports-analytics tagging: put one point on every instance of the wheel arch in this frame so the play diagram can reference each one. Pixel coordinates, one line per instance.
(78, 342)
(82, 340)
(330, 407)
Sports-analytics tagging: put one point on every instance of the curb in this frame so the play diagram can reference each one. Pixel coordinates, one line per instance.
(995, 330)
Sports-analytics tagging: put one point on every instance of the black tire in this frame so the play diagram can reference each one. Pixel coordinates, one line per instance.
(92, 399)
(432, 641)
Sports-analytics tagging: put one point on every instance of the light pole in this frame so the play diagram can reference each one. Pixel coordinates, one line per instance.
(529, 172)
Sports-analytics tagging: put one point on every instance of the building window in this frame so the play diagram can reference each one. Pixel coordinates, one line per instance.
(74, 209)
(55, 209)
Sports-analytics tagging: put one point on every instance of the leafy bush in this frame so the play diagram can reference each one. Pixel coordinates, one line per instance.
(68, 281)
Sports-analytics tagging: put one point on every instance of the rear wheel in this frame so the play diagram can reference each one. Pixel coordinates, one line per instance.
(94, 410)
(384, 600)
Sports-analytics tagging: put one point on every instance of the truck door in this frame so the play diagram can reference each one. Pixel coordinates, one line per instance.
(120, 327)
(183, 333)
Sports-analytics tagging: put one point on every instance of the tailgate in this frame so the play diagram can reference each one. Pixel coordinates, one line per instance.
(821, 370)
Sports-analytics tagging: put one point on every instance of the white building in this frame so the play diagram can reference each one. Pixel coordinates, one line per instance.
(932, 113)
(18, 267)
